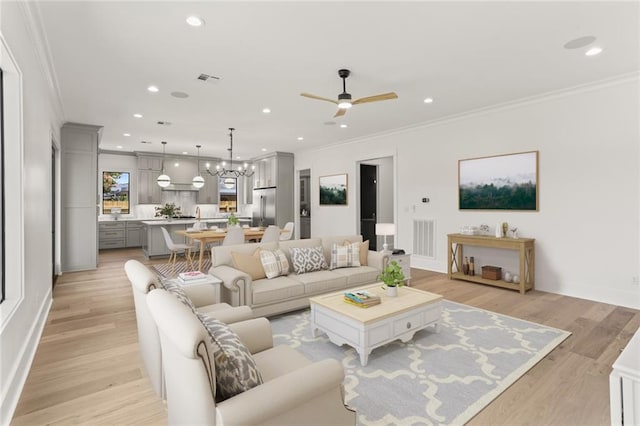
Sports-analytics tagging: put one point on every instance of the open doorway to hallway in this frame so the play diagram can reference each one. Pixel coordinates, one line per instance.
(376, 198)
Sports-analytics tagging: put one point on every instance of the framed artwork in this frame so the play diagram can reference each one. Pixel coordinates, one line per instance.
(500, 182)
(115, 192)
(333, 190)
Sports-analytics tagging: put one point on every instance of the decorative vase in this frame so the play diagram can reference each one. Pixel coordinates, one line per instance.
(499, 230)
(508, 277)
(505, 229)
(516, 279)
(391, 291)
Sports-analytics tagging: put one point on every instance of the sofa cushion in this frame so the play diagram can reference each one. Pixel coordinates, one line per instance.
(364, 251)
(178, 291)
(345, 256)
(307, 259)
(328, 242)
(221, 255)
(250, 264)
(360, 275)
(236, 370)
(276, 290)
(321, 281)
(274, 263)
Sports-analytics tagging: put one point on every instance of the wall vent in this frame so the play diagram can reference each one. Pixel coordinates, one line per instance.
(164, 123)
(424, 237)
(207, 77)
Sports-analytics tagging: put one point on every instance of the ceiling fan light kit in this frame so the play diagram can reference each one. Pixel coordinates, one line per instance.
(344, 101)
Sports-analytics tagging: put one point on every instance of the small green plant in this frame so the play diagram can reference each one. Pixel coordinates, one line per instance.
(392, 275)
(233, 220)
(168, 210)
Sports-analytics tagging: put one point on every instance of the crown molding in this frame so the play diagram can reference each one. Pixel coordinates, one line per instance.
(35, 28)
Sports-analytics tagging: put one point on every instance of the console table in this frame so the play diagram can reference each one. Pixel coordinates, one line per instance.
(524, 246)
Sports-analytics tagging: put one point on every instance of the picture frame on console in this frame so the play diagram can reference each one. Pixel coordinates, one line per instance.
(334, 190)
(499, 182)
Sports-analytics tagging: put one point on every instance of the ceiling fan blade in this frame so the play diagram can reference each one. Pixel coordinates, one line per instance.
(320, 98)
(375, 98)
(340, 113)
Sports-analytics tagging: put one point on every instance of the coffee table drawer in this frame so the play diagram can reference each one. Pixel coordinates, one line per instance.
(408, 323)
(432, 314)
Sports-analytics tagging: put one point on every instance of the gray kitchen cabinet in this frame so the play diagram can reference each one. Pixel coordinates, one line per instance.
(149, 162)
(134, 233)
(208, 194)
(154, 243)
(149, 192)
(305, 227)
(112, 235)
(274, 170)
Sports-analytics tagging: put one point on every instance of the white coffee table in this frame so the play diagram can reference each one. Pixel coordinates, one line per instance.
(368, 328)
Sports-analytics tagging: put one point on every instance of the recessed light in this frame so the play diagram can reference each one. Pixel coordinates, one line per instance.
(238, 157)
(593, 51)
(266, 110)
(195, 21)
(137, 115)
(153, 89)
(343, 126)
(428, 100)
(300, 138)
(263, 149)
(184, 152)
(176, 164)
(126, 134)
(119, 146)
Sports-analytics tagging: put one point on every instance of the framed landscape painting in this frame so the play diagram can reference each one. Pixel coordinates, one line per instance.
(333, 190)
(500, 182)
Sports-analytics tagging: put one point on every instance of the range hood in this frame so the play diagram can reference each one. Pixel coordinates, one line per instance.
(181, 187)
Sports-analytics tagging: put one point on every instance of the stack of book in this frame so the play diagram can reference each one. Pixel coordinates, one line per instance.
(192, 277)
(361, 298)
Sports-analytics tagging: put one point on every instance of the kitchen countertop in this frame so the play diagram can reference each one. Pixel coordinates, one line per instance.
(156, 222)
(160, 219)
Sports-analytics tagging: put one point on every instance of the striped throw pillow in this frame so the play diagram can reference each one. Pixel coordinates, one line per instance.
(345, 256)
(275, 263)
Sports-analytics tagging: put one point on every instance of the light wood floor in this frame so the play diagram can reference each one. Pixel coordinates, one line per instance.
(87, 368)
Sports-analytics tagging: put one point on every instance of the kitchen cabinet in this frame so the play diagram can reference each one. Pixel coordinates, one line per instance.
(305, 227)
(79, 199)
(245, 190)
(134, 233)
(154, 244)
(266, 172)
(208, 194)
(149, 192)
(149, 162)
(112, 235)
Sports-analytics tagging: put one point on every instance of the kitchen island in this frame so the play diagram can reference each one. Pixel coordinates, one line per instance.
(153, 243)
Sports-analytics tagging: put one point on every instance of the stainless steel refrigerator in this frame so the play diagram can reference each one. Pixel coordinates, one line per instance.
(264, 207)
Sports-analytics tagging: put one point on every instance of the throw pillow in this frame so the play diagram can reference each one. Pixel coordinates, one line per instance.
(250, 264)
(364, 251)
(176, 289)
(275, 263)
(236, 370)
(307, 259)
(345, 256)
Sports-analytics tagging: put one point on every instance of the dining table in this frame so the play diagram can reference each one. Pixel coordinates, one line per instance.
(216, 235)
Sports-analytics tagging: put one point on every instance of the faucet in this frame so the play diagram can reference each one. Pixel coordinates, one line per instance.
(197, 212)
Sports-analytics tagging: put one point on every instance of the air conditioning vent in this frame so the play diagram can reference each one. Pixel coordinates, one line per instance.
(207, 77)
(164, 123)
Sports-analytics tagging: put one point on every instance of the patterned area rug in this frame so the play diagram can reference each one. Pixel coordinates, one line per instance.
(165, 270)
(437, 378)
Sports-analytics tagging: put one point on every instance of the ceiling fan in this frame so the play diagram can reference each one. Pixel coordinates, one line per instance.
(344, 101)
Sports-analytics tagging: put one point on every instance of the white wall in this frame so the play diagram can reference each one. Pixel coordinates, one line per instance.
(21, 329)
(587, 227)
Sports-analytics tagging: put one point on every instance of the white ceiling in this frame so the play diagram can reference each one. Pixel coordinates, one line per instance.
(465, 55)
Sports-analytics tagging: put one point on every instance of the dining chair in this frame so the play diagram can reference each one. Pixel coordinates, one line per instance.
(176, 248)
(287, 232)
(271, 234)
(235, 235)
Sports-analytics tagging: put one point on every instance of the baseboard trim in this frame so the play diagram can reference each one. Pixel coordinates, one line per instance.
(18, 377)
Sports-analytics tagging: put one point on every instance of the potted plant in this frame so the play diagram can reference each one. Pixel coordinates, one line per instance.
(169, 210)
(232, 220)
(393, 277)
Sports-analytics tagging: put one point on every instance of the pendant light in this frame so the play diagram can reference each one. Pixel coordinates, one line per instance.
(223, 173)
(163, 180)
(198, 180)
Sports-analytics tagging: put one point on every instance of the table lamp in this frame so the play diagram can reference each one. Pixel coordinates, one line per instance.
(385, 229)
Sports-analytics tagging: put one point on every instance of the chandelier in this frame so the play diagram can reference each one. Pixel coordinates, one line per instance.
(225, 173)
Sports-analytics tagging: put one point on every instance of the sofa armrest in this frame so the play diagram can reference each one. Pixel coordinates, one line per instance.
(255, 333)
(378, 259)
(298, 397)
(235, 281)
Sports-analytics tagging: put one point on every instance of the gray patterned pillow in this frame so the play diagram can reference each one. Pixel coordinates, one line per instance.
(236, 370)
(307, 259)
(176, 289)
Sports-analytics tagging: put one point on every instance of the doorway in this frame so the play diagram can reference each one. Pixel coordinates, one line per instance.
(304, 217)
(53, 193)
(368, 203)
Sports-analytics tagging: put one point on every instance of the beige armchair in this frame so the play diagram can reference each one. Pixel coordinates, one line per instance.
(295, 391)
(144, 280)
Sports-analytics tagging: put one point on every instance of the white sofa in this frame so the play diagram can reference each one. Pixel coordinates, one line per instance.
(287, 293)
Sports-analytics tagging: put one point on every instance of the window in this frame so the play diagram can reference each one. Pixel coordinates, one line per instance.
(115, 192)
(228, 194)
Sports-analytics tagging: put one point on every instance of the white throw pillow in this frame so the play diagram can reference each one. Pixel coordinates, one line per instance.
(275, 263)
(345, 256)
